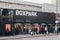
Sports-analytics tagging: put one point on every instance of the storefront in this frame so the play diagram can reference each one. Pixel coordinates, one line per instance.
(21, 21)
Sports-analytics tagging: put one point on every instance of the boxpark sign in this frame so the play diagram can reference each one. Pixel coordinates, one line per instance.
(25, 13)
(34, 17)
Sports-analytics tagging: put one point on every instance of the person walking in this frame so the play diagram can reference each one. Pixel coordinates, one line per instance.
(46, 30)
(29, 29)
(56, 29)
(38, 29)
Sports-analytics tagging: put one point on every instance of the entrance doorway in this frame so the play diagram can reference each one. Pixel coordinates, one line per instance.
(37, 28)
(18, 28)
(8, 29)
(27, 28)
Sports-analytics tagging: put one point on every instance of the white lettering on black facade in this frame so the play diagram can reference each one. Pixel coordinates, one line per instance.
(25, 13)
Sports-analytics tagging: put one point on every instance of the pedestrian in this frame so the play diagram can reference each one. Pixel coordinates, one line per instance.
(46, 30)
(29, 29)
(42, 31)
(56, 29)
(38, 28)
(32, 30)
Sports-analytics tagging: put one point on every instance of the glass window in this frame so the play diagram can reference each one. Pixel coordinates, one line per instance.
(1, 11)
(5, 12)
(11, 13)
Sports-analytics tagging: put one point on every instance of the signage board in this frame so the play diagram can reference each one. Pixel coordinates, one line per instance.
(34, 17)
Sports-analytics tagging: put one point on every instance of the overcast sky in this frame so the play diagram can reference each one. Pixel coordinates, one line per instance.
(39, 1)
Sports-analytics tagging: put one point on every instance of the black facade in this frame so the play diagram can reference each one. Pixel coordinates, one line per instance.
(38, 17)
(11, 16)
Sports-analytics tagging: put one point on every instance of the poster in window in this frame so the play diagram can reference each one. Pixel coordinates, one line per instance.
(8, 28)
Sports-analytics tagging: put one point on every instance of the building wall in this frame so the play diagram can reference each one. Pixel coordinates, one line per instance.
(48, 8)
(52, 8)
(54, 2)
(16, 4)
(11, 5)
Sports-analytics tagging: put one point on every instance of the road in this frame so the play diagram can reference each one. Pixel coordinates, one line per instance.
(54, 37)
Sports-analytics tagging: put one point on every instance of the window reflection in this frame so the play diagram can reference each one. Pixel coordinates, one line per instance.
(1, 11)
(11, 13)
(7, 14)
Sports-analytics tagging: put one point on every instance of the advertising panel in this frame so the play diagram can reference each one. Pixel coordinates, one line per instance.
(8, 28)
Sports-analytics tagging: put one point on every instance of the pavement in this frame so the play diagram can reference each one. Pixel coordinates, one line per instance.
(56, 37)
(27, 36)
